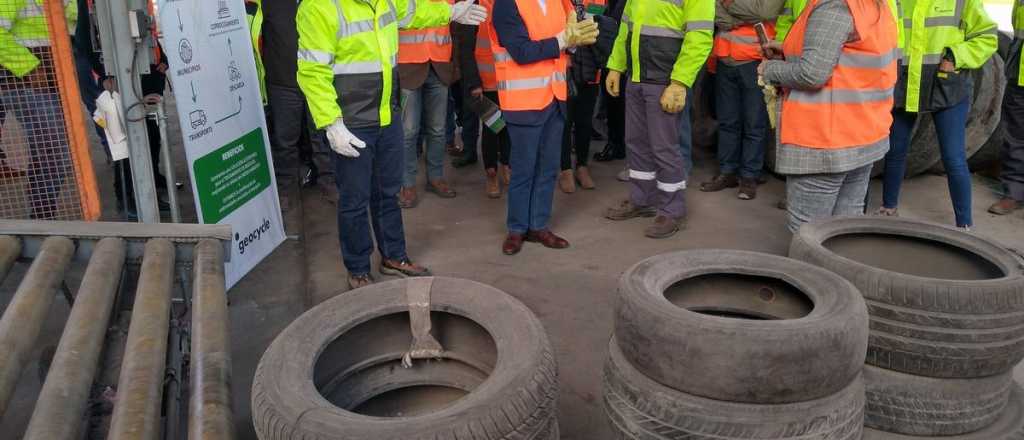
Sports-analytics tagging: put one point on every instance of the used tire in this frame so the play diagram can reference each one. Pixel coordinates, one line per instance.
(335, 374)
(741, 326)
(925, 406)
(1009, 426)
(943, 303)
(640, 408)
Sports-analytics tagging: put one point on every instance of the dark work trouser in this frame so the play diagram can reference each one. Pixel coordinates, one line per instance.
(657, 173)
(616, 115)
(493, 146)
(293, 130)
(581, 122)
(742, 120)
(1013, 144)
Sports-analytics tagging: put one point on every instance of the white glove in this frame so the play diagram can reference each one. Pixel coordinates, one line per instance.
(343, 141)
(467, 13)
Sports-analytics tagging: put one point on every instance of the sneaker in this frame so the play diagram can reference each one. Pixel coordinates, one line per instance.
(493, 188)
(361, 280)
(1005, 206)
(663, 227)
(566, 182)
(623, 175)
(441, 188)
(783, 204)
(403, 268)
(464, 161)
(748, 189)
(407, 198)
(887, 212)
(720, 182)
(626, 210)
(583, 177)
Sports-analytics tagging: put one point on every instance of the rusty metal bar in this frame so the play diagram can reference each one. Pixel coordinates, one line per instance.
(210, 414)
(137, 411)
(65, 394)
(10, 248)
(24, 316)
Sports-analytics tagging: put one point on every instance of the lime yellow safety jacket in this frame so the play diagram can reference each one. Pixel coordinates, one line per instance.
(254, 18)
(664, 40)
(1018, 37)
(791, 10)
(348, 53)
(23, 28)
(959, 30)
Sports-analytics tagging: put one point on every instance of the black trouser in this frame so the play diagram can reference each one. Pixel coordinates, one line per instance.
(294, 135)
(494, 146)
(580, 121)
(1013, 144)
(616, 113)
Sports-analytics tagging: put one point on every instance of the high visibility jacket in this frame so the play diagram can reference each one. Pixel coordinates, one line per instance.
(1018, 34)
(483, 52)
(741, 43)
(930, 28)
(347, 55)
(423, 45)
(854, 107)
(664, 40)
(23, 27)
(791, 10)
(255, 22)
(524, 87)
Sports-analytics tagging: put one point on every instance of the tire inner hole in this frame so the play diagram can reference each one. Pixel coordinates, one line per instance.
(361, 370)
(914, 256)
(740, 297)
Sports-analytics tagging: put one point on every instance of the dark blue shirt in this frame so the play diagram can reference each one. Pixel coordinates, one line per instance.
(515, 38)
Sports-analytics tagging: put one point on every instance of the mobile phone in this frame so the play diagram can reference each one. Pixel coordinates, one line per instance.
(762, 34)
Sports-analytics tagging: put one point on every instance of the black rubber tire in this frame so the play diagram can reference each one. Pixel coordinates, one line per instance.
(925, 406)
(640, 408)
(742, 360)
(929, 326)
(986, 107)
(989, 153)
(1009, 426)
(516, 401)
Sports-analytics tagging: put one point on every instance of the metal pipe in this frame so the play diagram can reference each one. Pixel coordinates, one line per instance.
(10, 249)
(210, 413)
(165, 161)
(24, 316)
(140, 386)
(65, 393)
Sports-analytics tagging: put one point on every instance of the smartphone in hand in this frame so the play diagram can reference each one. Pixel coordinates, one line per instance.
(769, 48)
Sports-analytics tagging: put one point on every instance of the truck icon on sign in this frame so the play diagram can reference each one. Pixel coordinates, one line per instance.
(197, 118)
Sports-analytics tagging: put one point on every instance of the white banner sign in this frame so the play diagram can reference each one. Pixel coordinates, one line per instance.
(213, 73)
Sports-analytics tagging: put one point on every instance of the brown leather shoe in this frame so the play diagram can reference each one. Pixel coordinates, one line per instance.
(720, 182)
(1005, 206)
(403, 268)
(407, 198)
(547, 238)
(583, 176)
(626, 210)
(663, 227)
(513, 244)
(493, 189)
(748, 189)
(566, 182)
(441, 188)
(357, 281)
(506, 174)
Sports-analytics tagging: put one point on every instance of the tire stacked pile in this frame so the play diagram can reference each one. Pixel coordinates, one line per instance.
(717, 344)
(947, 325)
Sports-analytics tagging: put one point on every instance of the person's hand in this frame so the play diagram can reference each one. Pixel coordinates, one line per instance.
(772, 50)
(162, 67)
(152, 98)
(468, 13)
(612, 82)
(760, 68)
(343, 141)
(947, 66)
(673, 98)
(476, 93)
(579, 33)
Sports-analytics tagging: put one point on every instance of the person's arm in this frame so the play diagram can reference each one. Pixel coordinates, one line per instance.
(617, 59)
(465, 41)
(317, 26)
(605, 40)
(514, 37)
(753, 11)
(723, 19)
(421, 14)
(699, 22)
(828, 28)
(13, 56)
(981, 37)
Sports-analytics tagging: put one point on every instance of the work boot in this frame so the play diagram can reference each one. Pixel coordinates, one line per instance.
(493, 189)
(748, 189)
(720, 182)
(441, 188)
(623, 175)
(626, 210)
(783, 204)
(663, 227)
(361, 280)
(403, 268)
(407, 198)
(611, 152)
(506, 175)
(1005, 206)
(583, 176)
(566, 182)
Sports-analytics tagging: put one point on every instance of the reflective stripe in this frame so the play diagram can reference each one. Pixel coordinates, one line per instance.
(700, 26)
(559, 76)
(346, 29)
(642, 175)
(387, 18)
(315, 56)
(485, 68)
(927, 59)
(942, 21)
(483, 43)
(674, 2)
(671, 187)
(868, 61)
(787, 11)
(31, 10)
(735, 38)
(500, 57)
(424, 38)
(519, 84)
(357, 67)
(839, 96)
(655, 31)
(1019, 33)
(5, 23)
(993, 31)
(410, 10)
(33, 42)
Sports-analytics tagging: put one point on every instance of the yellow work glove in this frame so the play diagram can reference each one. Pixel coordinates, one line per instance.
(612, 82)
(673, 98)
(579, 33)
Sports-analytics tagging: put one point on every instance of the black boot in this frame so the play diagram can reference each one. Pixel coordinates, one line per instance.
(611, 152)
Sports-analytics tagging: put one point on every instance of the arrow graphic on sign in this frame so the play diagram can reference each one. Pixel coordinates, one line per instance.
(230, 50)
(194, 96)
(233, 114)
(181, 27)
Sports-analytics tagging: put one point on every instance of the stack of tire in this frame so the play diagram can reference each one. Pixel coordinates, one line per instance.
(719, 344)
(947, 325)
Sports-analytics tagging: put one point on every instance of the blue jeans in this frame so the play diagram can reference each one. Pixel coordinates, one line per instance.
(742, 120)
(370, 182)
(42, 121)
(536, 156)
(420, 109)
(950, 124)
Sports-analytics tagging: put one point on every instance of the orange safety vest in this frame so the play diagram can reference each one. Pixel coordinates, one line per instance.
(741, 43)
(417, 46)
(854, 107)
(483, 53)
(533, 86)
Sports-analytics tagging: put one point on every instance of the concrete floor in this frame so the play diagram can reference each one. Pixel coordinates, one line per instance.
(570, 290)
